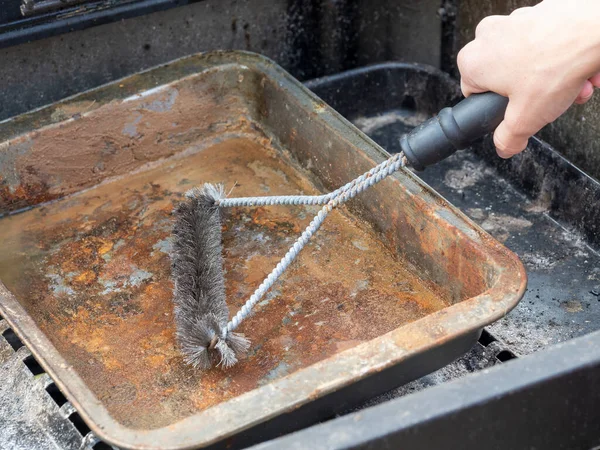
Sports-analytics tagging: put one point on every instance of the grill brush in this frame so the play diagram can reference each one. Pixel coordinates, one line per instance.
(204, 333)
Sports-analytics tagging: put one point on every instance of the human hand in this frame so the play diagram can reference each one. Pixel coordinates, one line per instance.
(543, 58)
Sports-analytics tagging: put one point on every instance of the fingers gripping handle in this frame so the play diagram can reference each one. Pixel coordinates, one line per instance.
(453, 129)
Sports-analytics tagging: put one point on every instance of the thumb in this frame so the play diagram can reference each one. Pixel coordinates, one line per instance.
(507, 142)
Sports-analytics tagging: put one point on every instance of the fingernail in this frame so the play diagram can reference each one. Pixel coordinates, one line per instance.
(502, 154)
(583, 100)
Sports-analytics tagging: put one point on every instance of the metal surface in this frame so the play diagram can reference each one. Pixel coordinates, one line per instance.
(545, 401)
(31, 7)
(89, 273)
(35, 415)
(22, 397)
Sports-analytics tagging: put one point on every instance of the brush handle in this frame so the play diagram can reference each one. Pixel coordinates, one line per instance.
(453, 129)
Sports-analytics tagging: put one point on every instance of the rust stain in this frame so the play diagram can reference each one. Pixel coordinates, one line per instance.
(93, 271)
(259, 217)
(434, 246)
(117, 138)
(23, 195)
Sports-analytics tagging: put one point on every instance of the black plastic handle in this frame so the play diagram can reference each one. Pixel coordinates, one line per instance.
(453, 129)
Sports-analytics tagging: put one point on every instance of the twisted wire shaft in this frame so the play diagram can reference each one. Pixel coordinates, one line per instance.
(306, 199)
(344, 194)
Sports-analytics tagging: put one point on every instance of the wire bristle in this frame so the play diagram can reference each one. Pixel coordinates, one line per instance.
(228, 357)
(235, 344)
(238, 343)
(197, 270)
(208, 191)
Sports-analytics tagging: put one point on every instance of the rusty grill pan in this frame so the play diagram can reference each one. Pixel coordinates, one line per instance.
(397, 284)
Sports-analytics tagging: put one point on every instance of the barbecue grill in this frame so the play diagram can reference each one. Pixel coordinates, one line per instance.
(531, 379)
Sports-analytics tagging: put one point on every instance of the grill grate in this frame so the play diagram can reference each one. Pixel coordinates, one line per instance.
(60, 415)
(499, 353)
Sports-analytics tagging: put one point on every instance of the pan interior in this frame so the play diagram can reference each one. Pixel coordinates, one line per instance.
(92, 270)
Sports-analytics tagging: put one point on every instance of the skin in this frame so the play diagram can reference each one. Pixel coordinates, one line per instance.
(543, 58)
